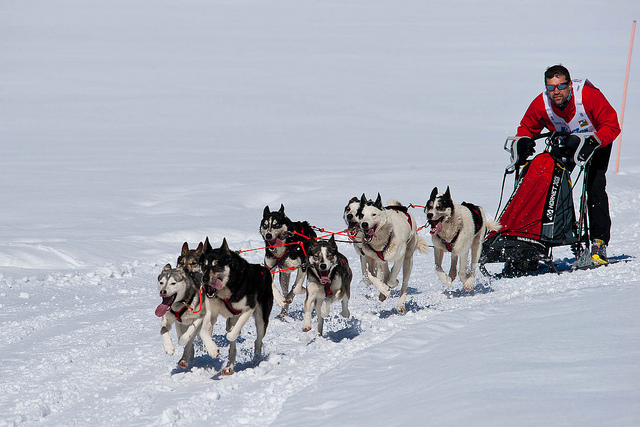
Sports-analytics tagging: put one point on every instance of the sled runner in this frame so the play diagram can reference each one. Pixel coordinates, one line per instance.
(540, 214)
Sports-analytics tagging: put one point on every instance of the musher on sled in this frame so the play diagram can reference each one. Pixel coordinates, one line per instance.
(570, 110)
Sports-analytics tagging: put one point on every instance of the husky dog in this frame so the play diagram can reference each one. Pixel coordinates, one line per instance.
(287, 242)
(182, 303)
(456, 229)
(328, 281)
(241, 290)
(355, 235)
(389, 235)
(189, 259)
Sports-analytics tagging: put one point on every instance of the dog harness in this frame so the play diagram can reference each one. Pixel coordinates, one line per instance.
(477, 225)
(475, 214)
(381, 252)
(178, 313)
(449, 245)
(227, 303)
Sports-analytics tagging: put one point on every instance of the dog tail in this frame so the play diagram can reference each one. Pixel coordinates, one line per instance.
(493, 226)
(423, 246)
(393, 202)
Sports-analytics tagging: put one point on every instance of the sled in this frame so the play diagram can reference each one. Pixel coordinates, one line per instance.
(540, 214)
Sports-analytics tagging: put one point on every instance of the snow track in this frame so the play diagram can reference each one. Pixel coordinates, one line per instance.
(93, 354)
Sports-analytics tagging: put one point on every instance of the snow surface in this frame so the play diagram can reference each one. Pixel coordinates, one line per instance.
(129, 127)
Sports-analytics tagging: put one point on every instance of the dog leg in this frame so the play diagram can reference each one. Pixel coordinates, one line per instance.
(345, 307)
(206, 333)
(188, 352)
(277, 295)
(383, 288)
(284, 284)
(165, 327)
(320, 325)
(190, 333)
(438, 255)
(407, 267)
(297, 286)
(453, 271)
(465, 275)
(309, 305)
(365, 266)
(233, 334)
(228, 369)
(395, 272)
(261, 330)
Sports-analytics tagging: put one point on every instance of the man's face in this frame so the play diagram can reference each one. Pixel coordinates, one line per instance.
(558, 96)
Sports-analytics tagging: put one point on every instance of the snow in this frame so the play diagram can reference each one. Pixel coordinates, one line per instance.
(130, 127)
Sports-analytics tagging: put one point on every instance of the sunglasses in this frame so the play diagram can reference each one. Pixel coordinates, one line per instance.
(561, 86)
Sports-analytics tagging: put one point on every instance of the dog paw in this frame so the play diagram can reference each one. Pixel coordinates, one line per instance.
(283, 313)
(346, 314)
(227, 371)
(183, 364)
(306, 328)
(169, 350)
(382, 297)
(401, 309)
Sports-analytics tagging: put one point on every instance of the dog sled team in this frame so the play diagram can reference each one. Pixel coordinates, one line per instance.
(210, 282)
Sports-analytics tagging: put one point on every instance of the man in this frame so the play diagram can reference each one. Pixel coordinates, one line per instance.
(578, 106)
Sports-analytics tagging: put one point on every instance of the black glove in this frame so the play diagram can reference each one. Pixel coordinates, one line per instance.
(524, 148)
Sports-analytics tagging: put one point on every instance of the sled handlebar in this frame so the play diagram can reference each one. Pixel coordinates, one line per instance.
(580, 152)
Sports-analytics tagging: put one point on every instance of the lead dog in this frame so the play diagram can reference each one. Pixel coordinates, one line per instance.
(241, 290)
(456, 229)
(390, 235)
(328, 281)
(287, 242)
(182, 304)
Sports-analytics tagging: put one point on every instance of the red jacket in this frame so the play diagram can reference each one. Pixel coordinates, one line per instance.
(600, 112)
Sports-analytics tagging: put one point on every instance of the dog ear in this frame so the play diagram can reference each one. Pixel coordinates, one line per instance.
(447, 194)
(281, 209)
(363, 199)
(353, 199)
(207, 245)
(199, 248)
(185, 248)
(332, 241)
(266, 211)
(434, 193)
(166, 267)
(378, 202)
(225, 246)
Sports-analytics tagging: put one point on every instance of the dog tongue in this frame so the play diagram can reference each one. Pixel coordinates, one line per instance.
(325, 280)
(275, 242)
(164, 306)
(218, 284)
(436, 228)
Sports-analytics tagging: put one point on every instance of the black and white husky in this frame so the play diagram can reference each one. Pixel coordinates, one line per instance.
(355, 235)
(390, 235)
(328, 281)
(184, 305)
(241, 289)
(287, 243)
(456, 229)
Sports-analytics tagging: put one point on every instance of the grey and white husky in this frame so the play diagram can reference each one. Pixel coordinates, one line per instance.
(328, 281)
(457, 229)
(390, 236)
(184, 305)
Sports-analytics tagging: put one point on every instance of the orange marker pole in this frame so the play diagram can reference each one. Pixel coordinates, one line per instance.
(624, 96)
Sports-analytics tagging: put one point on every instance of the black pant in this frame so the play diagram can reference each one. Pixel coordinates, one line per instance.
(597, 199)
